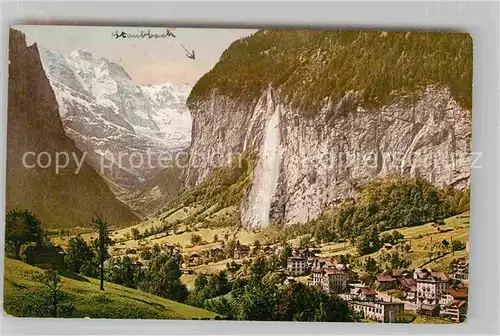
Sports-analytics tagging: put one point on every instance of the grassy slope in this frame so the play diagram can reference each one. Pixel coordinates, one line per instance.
(208, 206)
(115, 302)
(183, 239)
(120, 233)
(421, 238)
(422, 319)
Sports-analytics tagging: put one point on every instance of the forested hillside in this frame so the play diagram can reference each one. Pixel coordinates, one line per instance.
(311, 66)
(383, 204)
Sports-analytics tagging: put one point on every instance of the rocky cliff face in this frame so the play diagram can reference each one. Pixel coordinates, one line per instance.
(309, 164)
(67, 197)
(330, 111)
(125, 129)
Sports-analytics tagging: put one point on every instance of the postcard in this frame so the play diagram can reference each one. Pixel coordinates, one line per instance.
(238, 174)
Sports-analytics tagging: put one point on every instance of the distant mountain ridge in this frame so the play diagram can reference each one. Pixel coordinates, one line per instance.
(108, 115)
(63, 199)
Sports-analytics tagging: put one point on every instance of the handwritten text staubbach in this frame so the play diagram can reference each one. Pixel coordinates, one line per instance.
(143, 34)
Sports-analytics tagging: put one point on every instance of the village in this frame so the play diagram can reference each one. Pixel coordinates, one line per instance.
(235, 220)
(383, 298)
(424, 291)
(429, 285)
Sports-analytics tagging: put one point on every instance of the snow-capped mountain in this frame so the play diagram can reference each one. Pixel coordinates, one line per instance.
(128, 131)
(62, 198)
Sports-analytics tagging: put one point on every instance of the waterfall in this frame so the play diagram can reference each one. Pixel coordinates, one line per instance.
(266, 172)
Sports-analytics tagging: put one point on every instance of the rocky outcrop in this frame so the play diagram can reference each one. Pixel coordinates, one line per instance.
(309, 164)
(66, 197)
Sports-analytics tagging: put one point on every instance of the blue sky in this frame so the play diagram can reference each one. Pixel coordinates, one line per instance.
(147, 61)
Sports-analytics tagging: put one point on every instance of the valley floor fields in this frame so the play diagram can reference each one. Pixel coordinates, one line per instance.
(122, 302)
(421, 239)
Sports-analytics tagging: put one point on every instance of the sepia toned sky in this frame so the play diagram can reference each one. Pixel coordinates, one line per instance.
(147, 61)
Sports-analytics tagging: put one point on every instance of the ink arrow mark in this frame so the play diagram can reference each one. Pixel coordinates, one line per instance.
(189, 54)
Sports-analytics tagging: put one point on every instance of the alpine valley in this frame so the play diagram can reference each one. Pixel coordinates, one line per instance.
(116, 122)
(323, 176)
(320, 122)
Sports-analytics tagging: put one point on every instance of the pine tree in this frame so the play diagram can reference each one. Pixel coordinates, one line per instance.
(101, 244)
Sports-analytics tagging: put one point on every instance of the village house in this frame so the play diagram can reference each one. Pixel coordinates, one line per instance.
(278, 250)
(194, 259)
(409, 288)
(460, 269)
(178, 257)
(303, 253)
(428, 309)
(337, 281)
(385, 282)
(296, 266)
(45, 256)
(455, 310)
(354, 287)
(453, 304)
(168, 248)
(315, 263)
(215, 252)
(137, 265)
(316, 278)
(430, 286)
(388, 246)
(452, 295)
(241, 251)
(401, 273)
(366, 294)
(352, 290)
(323, 263)
(145, 264)
(268, 250)
(330, 280)
(386, 312)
